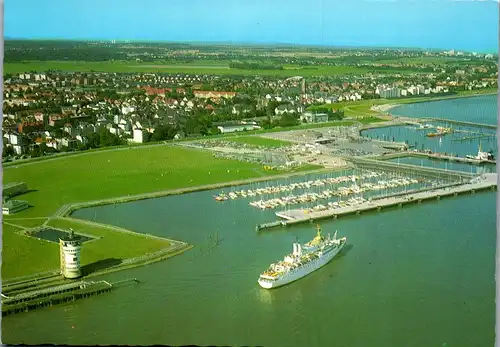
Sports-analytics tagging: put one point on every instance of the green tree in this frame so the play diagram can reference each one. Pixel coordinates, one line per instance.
(8, 151)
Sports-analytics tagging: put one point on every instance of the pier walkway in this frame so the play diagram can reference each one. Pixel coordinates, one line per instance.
(486, 181)
(433, 156)
(416, 121)
(372, 163)
(458, 122)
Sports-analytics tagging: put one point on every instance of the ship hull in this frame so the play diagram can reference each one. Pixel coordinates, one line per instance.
(303, 271)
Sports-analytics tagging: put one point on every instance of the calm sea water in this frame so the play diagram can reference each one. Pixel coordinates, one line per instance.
(480, 109)
(465, 141)
(457, 143)
(422, 275)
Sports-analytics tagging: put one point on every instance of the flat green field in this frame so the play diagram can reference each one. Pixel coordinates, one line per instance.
(214, 68)
(118, 241)
(20, 250)
(369, 119)
(23, 255)
(135, 170)
(260, 141)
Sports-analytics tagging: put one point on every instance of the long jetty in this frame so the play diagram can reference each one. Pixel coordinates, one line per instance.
(434, 156)
(31, 300)
(372, 163)
(458, 122)
(297, 216)
(51, 296)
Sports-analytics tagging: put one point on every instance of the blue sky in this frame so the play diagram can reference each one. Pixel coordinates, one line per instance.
(470, 25)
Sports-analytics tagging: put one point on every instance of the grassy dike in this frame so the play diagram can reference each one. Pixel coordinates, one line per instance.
(59, 186)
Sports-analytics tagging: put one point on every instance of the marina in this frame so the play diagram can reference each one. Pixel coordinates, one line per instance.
(484, 182)
(307, 197)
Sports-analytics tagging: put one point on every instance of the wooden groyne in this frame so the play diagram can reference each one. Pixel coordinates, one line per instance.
(297, 216)
(54, 295)
(51, 296)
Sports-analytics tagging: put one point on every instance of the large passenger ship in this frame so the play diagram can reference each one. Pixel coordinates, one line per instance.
(302, 261)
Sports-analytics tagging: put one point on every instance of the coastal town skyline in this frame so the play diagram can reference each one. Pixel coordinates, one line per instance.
(469, 26)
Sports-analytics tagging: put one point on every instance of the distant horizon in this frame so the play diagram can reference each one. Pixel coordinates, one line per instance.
(469, 26)
(248, 43)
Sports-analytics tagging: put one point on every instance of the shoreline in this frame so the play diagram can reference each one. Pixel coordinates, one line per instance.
(65, 211)
(176, 247)
(386, 107)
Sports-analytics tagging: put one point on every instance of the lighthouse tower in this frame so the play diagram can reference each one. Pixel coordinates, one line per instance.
(69, 249)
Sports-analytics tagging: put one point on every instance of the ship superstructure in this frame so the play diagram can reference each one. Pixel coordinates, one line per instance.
(302, 261)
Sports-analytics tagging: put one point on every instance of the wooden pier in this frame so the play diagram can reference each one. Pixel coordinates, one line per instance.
(296, 216)
(32, 300)
(269, 225)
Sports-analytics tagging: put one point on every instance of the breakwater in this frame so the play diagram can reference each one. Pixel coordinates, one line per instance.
(434, 156)
(372, 163)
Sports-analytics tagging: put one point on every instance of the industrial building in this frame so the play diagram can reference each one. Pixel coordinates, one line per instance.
(13, 206)
(310, 117)
(14, 188)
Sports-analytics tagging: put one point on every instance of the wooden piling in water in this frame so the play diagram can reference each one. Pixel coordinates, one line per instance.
(23, 303)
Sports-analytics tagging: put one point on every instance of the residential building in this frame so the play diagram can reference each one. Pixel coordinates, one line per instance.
(200, 94)
(234, 128)
(310, 117)
(138, 136)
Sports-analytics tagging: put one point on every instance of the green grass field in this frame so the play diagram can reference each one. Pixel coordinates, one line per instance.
(135, 170)
(20, 250)
(118, 241)
(369, 119)
(212, 67)
(260, 141)
(24, 255)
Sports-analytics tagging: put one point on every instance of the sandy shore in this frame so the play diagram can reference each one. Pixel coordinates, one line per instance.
(384, 108)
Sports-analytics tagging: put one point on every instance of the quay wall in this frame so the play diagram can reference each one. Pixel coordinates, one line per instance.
(431, 156)
(452, 121)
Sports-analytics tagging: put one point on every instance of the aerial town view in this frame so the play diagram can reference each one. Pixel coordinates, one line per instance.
(220, 174)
